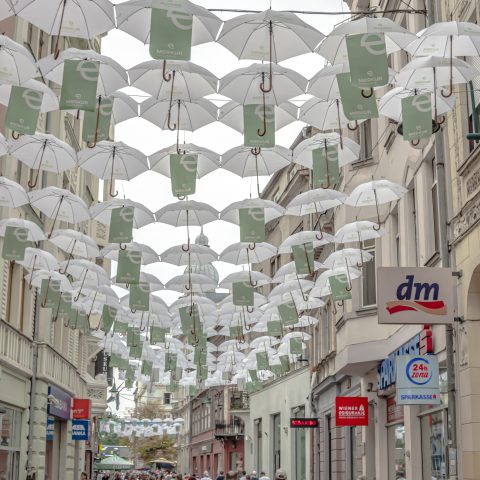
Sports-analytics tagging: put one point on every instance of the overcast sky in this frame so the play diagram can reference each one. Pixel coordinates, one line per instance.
(219, 188)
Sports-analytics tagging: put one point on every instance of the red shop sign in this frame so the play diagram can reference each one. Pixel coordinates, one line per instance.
(81, 408)
(351, 411)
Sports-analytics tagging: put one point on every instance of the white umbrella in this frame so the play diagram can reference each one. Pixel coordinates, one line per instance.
(86, 271)
(112, 76)
(7, 8)
(124, 107)
(36, 277)
(59, 204)
(258, 279)
(191, 282)
(240, 253)
(315, 201)
(102, 212)
(75, 243)
(111, 161)
(303, 153)
(134, 16)
(271, 210)
(243, 84)
(147, 253)
(186, 80)
(196, 255)
(348, 256)
(43, 151)
(49, 99)
(18, 64)
(35, 233)
(306, 321)
(322, 280)
(334, 47)
(293, 286)
(3, 145)
(358, 231)
(250, 162)
(375, 192)
(301, 238)
(12, 194)
(208, 161)
(289, 271)
(154, 282)
(37, 259)
(69, 18)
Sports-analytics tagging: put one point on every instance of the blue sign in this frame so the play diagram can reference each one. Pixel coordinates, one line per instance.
(80, 429)
(59, 403)
(50, 428)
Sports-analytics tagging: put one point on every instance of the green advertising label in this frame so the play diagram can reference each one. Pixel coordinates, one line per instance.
(115, 361)
(236, 332)
(288, 313)
(64, 310)
(23, 110)
(129, 383)
(355, 105)
(183, 173)
(14, 243)
(253, 375)
(109, 314)
(326, 170)
(80, 321)
(254, 125)
(303, 257)
(50, 293)
(417, 117)
(274, 328)
(170, 34)
(133, 337)
(262, 360)
(285, 362)
(367, 57)
(200, 356)
(157, 334)
(276, 369)
(147, 368)
(128, 269)
(139, 298)
(252, 224)
(295, 346)
(202, 372)
(98, 120)
(338, 287)
(242, 294)
(79, 85)
(192, 390)
(121, 225)
(170, 362)
(120, 327)
(136, 351)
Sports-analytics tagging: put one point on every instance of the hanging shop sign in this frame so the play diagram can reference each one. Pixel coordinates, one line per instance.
(59, 403)
(351, 411)
(80, 429)
(304, 423)
(50, 429)
(418, 380)
(415, 295)
(81, 408)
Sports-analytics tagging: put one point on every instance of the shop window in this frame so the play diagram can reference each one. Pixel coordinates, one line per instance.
(369, 293)
(396, 452)
(10, 426)
(300, 461)
(259, 444)
(433, 445)
(277, 431)
(328, 448)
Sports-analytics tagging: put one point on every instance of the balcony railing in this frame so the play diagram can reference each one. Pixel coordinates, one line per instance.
(239, 401)
(234, 428)
(15, 348)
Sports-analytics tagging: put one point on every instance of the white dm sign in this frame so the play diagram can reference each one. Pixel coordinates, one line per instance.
(415, 295)
(417, 380)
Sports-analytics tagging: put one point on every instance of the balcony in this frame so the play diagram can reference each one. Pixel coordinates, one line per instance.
(233, 429)
(15, 348)
(239, 401)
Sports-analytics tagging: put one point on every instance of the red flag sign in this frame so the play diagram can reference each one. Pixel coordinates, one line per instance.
(351, 411)
(81, 408)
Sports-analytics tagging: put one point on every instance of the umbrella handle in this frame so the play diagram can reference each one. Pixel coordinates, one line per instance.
(57, 50)
(169, 118)
(30, 184)
(67, 323)
(305, 297)
(262, 133)
(251, 246)
(166, 76)
(414, 143)
(95, 136)
(56, 215)
(355, 126)
(44, 302)
(81, 286)
(450, 90)
(341, 304)
(339, 123)
(16, 136)
(123, 246)
(262, 85)
(70, 256)
(111, 191)
(441, 121)
(179, 150)
(367, 93)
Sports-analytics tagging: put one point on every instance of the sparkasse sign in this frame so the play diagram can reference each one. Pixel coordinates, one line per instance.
(351, 411)
(415, 295)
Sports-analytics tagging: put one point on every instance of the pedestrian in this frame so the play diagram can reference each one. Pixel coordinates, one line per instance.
(263, 476)
(280, 474)
(254, 476)
(83, 476)
(243, 475)
(231, 475)
(220, 476)
(206, 476)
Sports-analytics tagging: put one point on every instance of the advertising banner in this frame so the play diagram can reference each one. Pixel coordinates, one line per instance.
(351, 411)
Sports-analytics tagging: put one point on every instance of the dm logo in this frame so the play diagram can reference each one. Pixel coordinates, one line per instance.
(416, 296)
(418, 371)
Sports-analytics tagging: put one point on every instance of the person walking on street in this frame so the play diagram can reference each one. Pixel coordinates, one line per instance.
(254, 476)
(231, 475)
(264, 476)
(280, 474)
(206, 476)
(220, 476)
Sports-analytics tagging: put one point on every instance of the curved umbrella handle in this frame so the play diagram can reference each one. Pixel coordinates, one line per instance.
(169, 118)
(354, 128)
(262, 133)
(95, 135)
(262, 85)
(339, 123)
(34, 184)
(166, 76)
(16, 136)
(367, 93)
(449, 92)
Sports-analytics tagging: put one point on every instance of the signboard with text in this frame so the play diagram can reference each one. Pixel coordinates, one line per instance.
(80, 429)
(81, 408)
(304, 423)
(59, 403)
(351, 411)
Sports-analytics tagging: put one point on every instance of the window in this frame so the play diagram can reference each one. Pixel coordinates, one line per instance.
(326, 335)
(365, 139)
(259, 444)
(276, 441)
(433, 444)
(10, 421)
(300, 462)
(369, 294)
(435, 207)
(276, 195)
(167, 398)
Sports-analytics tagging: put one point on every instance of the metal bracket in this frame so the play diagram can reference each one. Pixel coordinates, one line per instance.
(460, 319)
(458, 274)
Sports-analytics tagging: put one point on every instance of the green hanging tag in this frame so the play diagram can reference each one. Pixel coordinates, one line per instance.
(276, 369)
(50, 293)
(262, 360)
(139, 298)
(326, 170)
(242, 294)
(23, 110)
(79, 85)
(253, 124)
(147, 367)
(200, 356)
(170, 362)
(252, 224)
(170, 34)
(129, 383)
(128, 269)
(120, 327)
(103, 112)
(295, 346)
(109, 314)
(250, 387)
(121, 225)
(274, 328)
(64, 311)
(115, 360)
(79, 321)
(183, 173)
(236, 332)
(284, 360)
(417, 117)
(136, 351)
(157, 334)
(303, 257)
(133, 337)
(192, 390)
(178, 373)
(202, 372)
(288, 314)
(253, 375)
(367, 57)
(355, 105)
(14, 243)
(338, 286)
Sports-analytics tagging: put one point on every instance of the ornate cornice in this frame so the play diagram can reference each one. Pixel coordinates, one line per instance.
(468, 218)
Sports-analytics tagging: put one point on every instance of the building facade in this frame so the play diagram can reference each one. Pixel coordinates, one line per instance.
(44, 365)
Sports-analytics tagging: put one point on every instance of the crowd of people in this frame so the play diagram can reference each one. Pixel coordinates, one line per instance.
(280, 474)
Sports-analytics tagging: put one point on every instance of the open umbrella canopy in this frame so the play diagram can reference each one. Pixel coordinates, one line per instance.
(74, 243)
(375, 192)
(240, 253)
(37, 259)
(35, 233)
(102, 212)
(271, 210)
(18, 64)
(12, 194)
(6, 8)
(49, 99)
(195, 255)
(114, 462)
(187, 213)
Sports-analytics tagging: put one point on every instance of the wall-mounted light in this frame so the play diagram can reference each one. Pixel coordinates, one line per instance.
(371, 388)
